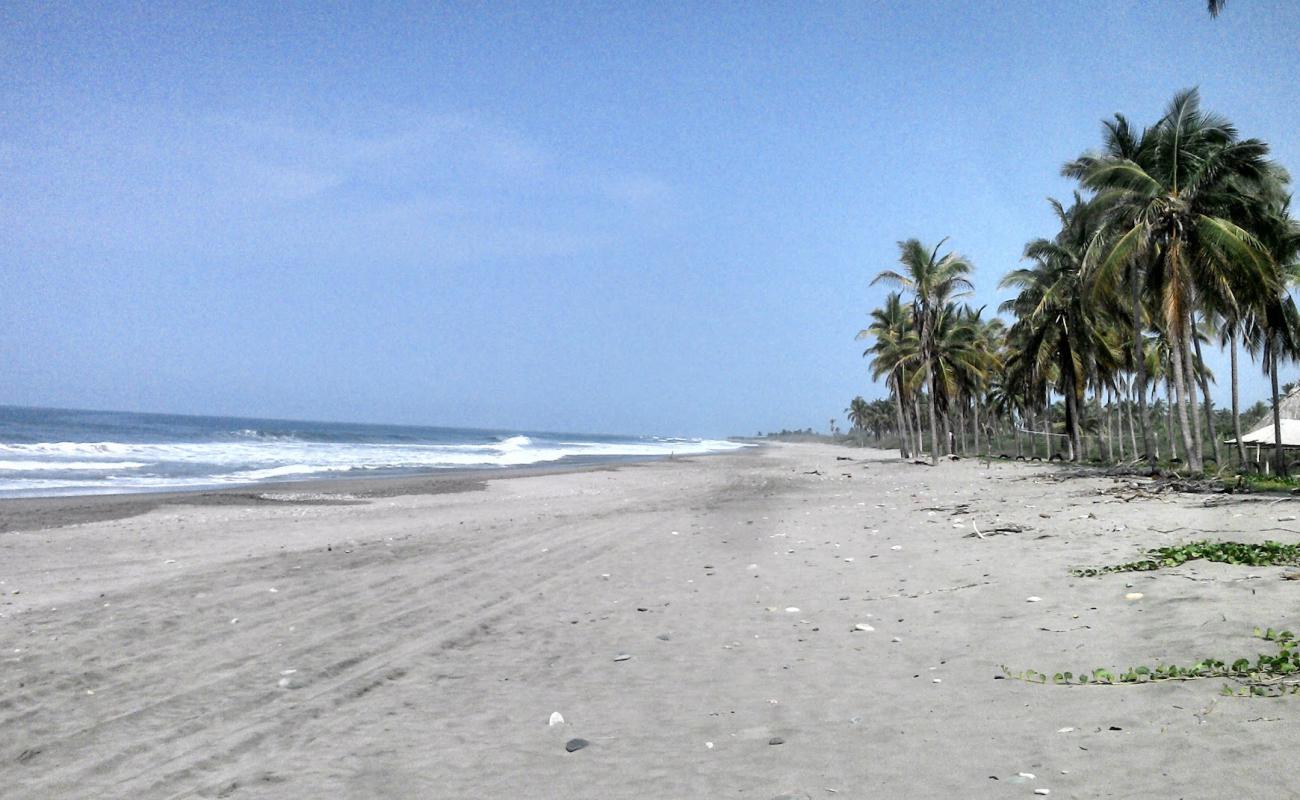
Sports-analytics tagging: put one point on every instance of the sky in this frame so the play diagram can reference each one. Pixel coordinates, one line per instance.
(625, 218)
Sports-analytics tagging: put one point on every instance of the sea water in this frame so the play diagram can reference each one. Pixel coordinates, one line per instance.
(61, 452)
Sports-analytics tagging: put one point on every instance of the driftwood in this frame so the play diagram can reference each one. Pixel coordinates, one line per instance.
(1010, 527)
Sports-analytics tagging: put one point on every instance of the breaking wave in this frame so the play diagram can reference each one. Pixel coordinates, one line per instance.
(253, 455)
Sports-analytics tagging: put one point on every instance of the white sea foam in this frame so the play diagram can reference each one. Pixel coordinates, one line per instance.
(250, 459)
(82, 466)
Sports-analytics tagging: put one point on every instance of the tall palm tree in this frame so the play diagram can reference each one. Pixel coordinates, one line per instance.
(1122, 143)
(1274, 327)
(1215, 7)
(1172, 206)
(961, 363)
(933, 281)
(895, 352)
(858, 413)
(1055, 322)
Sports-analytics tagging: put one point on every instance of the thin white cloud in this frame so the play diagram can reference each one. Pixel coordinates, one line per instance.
(449, 187)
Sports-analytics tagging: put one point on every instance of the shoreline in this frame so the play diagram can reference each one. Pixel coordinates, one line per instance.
(55, 511)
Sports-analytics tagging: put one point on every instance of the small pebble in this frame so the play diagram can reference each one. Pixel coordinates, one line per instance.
(556, 719)
(792, 610)
(574, 745)
(1133, 596)
(896, 547)
(622, 657)
(775, 740)
(1042, 791)
(1033, 599)
(862, 626)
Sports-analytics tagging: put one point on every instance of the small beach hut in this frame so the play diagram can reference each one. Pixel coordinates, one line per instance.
(1261, 436)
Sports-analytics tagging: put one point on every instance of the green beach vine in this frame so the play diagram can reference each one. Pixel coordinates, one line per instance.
(1268, 554)
(1265, 676)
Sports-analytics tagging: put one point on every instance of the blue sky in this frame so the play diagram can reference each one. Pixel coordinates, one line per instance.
(620, 218)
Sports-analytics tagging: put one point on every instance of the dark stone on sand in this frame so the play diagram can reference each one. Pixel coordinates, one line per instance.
(573, 745)
(663, 637)
(776, 740)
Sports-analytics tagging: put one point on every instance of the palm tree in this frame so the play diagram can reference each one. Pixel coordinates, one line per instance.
(1122, 143)
(933, 281)
(1215, 7)
(895, 351)
(858, 413)
(1055, 323)
(1274, 327)
(961, 364)
(1169, 205)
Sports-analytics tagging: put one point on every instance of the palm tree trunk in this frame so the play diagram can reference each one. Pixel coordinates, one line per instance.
(1047, 424)
(1107, 416)
(1128, 413)
(1117, 407)
(1236, 412)
(916, 420)
(1279, 463)
(1075, 422)
(1179, 360)
(1196, 464)
(1209, 403)
(1071, 420)
(904, 446)
(1020, 450)
(961, 425)
(975, 427)
(934, 419)
(1140, 363)
(1169, 416)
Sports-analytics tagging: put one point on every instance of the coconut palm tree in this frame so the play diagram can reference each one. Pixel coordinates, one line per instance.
(933, 281)
(1122, 143)
(1273, 326)
(1170, 204)
(895, 352)
(858, 413)
(961, 364)
(1055, 321)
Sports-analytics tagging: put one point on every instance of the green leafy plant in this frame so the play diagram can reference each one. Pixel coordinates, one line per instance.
(1269, 483)
(1240, 553)
(1266, 675)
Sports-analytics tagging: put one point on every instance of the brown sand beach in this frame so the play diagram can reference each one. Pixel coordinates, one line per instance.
(695, 622)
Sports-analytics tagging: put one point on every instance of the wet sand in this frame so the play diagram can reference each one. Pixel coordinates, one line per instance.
(416, 644)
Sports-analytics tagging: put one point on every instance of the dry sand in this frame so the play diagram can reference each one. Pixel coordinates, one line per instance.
(416, 645)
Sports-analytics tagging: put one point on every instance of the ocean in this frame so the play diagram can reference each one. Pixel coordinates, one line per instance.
(45, 452)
